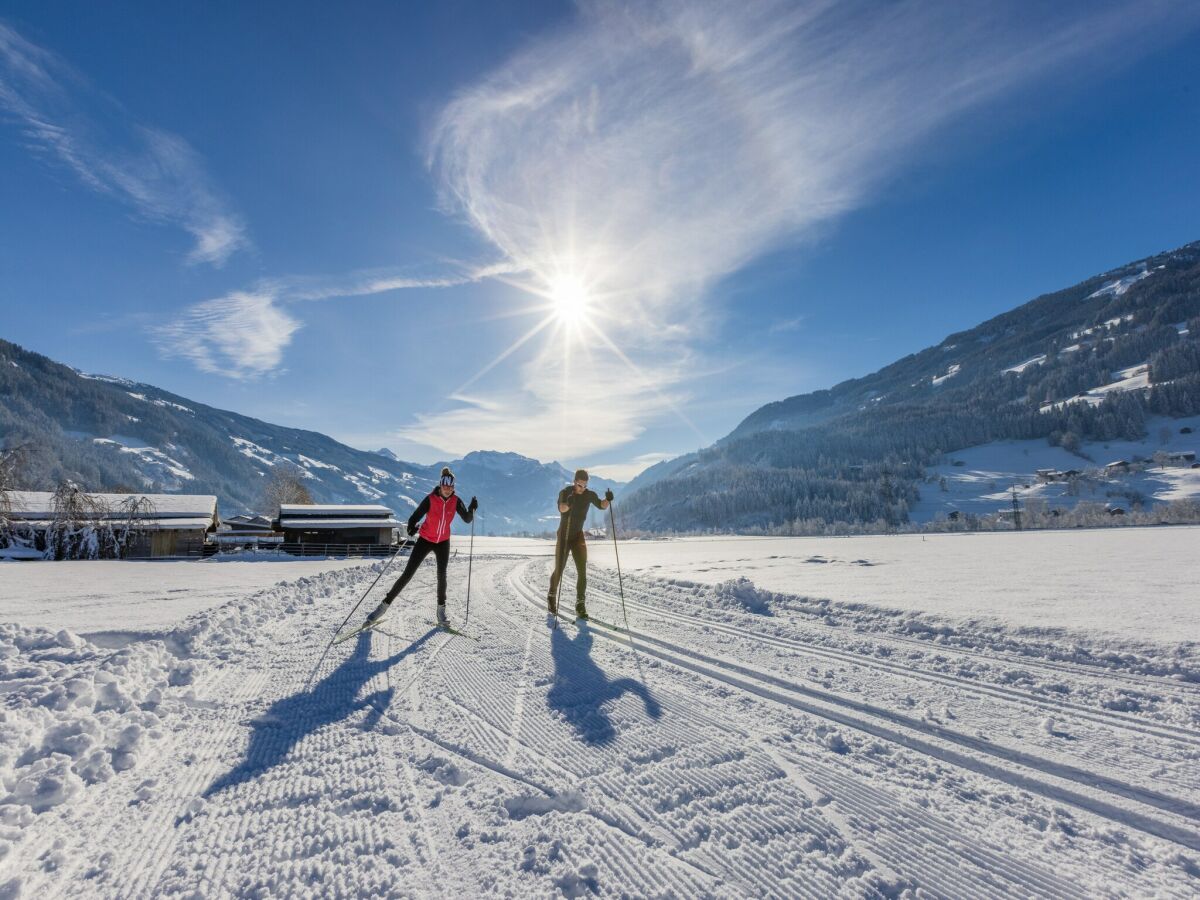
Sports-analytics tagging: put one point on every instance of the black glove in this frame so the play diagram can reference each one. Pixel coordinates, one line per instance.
(608, 495)
(473, 505)
(412, 529)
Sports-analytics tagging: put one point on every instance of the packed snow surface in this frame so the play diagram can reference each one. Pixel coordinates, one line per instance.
(137, 596)
(741, 740)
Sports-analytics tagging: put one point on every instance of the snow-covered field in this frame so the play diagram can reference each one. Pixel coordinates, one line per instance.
(794, 736)
(137, 596)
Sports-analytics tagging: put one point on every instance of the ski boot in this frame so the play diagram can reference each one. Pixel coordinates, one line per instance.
(552, 605)
(442, 621)
(581, 612)
(378, 613)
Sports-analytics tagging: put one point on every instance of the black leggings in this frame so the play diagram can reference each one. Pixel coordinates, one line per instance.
(419, 552)
(577, 545)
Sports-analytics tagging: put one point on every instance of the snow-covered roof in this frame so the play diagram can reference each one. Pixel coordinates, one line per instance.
(176, 524)
(313, 522)
(330, 510)
(35, 505)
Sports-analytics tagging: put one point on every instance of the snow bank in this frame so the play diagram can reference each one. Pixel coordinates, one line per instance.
(75, 714)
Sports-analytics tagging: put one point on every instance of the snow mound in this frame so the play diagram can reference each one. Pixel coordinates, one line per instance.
(76, 714)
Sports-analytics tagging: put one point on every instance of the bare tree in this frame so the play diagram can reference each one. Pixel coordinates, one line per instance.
(7, 484)
(285, 485)
(134, 512)
(79, 519)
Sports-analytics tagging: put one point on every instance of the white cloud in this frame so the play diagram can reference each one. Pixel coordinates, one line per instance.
(241, 335)
(784, 325)
(648, 150)
(155, 173)
(627, 471)
(552, 415)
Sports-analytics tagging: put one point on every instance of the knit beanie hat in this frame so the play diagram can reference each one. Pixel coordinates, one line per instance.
(581, 475)
(447, 477)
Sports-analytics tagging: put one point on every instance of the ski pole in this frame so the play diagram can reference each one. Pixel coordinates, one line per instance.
(620, 580)
(560, 566)
(470, 559)
(386, 566)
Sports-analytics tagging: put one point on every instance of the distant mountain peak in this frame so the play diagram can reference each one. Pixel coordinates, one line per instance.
(387, 454)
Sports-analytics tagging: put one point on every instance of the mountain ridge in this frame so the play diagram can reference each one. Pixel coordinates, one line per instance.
(106, 431)
(1090, 361)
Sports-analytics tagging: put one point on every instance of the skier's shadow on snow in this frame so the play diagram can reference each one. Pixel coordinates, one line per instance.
(581, 688)
(290, 719)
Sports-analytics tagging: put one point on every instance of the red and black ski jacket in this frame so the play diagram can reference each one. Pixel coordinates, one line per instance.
(439, 516)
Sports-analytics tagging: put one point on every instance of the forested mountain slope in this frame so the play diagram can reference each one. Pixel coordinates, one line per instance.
(110, 433)
(1090, 362)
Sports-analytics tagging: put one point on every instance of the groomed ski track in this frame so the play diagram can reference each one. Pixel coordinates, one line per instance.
(706, 753)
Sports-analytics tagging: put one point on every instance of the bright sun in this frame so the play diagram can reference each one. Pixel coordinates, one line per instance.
(570, 300)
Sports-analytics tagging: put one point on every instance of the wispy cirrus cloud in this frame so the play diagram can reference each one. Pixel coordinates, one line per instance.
(156, 173)
(649, 150)
(244, 334)
(240, 336)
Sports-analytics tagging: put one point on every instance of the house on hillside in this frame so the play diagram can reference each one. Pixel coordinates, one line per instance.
(1116, 467)
(369, 525)
(1185, 457)
(1049, 476)
(159, 525)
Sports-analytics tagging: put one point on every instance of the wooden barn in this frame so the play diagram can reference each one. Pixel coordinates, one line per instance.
(365, 525)
(162, 525)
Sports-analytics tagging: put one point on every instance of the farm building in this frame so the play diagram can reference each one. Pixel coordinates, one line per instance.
(157, 524)
(247, 526)
(330, 524)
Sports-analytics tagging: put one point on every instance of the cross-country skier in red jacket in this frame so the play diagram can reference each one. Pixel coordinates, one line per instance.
(438, 509)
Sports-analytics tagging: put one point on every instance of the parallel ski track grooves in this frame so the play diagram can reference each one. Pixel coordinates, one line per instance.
(494, 738)
(915, 735)
(942, 871)
(1166, 730)
(1155, 682)
(756, 868)
(764, 875)
(1006, 881)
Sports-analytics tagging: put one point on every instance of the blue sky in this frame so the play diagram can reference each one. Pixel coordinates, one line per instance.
(598, 233)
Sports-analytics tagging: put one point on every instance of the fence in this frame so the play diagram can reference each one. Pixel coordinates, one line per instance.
(268, 546)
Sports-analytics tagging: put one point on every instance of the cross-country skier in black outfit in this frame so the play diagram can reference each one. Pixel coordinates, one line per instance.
(438, 510)
(573, 505)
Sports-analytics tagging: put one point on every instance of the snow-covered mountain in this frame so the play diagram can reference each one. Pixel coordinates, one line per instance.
(1077, 369)
(108, 432)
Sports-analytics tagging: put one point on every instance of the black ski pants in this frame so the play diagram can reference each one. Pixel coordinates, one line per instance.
(422, 549)
(577, 546)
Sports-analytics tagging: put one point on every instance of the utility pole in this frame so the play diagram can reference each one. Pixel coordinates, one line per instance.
(1016, 508)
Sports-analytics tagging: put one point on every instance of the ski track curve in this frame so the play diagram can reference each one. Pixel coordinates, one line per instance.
(1089, 790)
(525, 761)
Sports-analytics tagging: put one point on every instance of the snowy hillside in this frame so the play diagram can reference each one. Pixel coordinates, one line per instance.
(105, 431)
(1088, 364)
(979, 480)
(739, 742)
